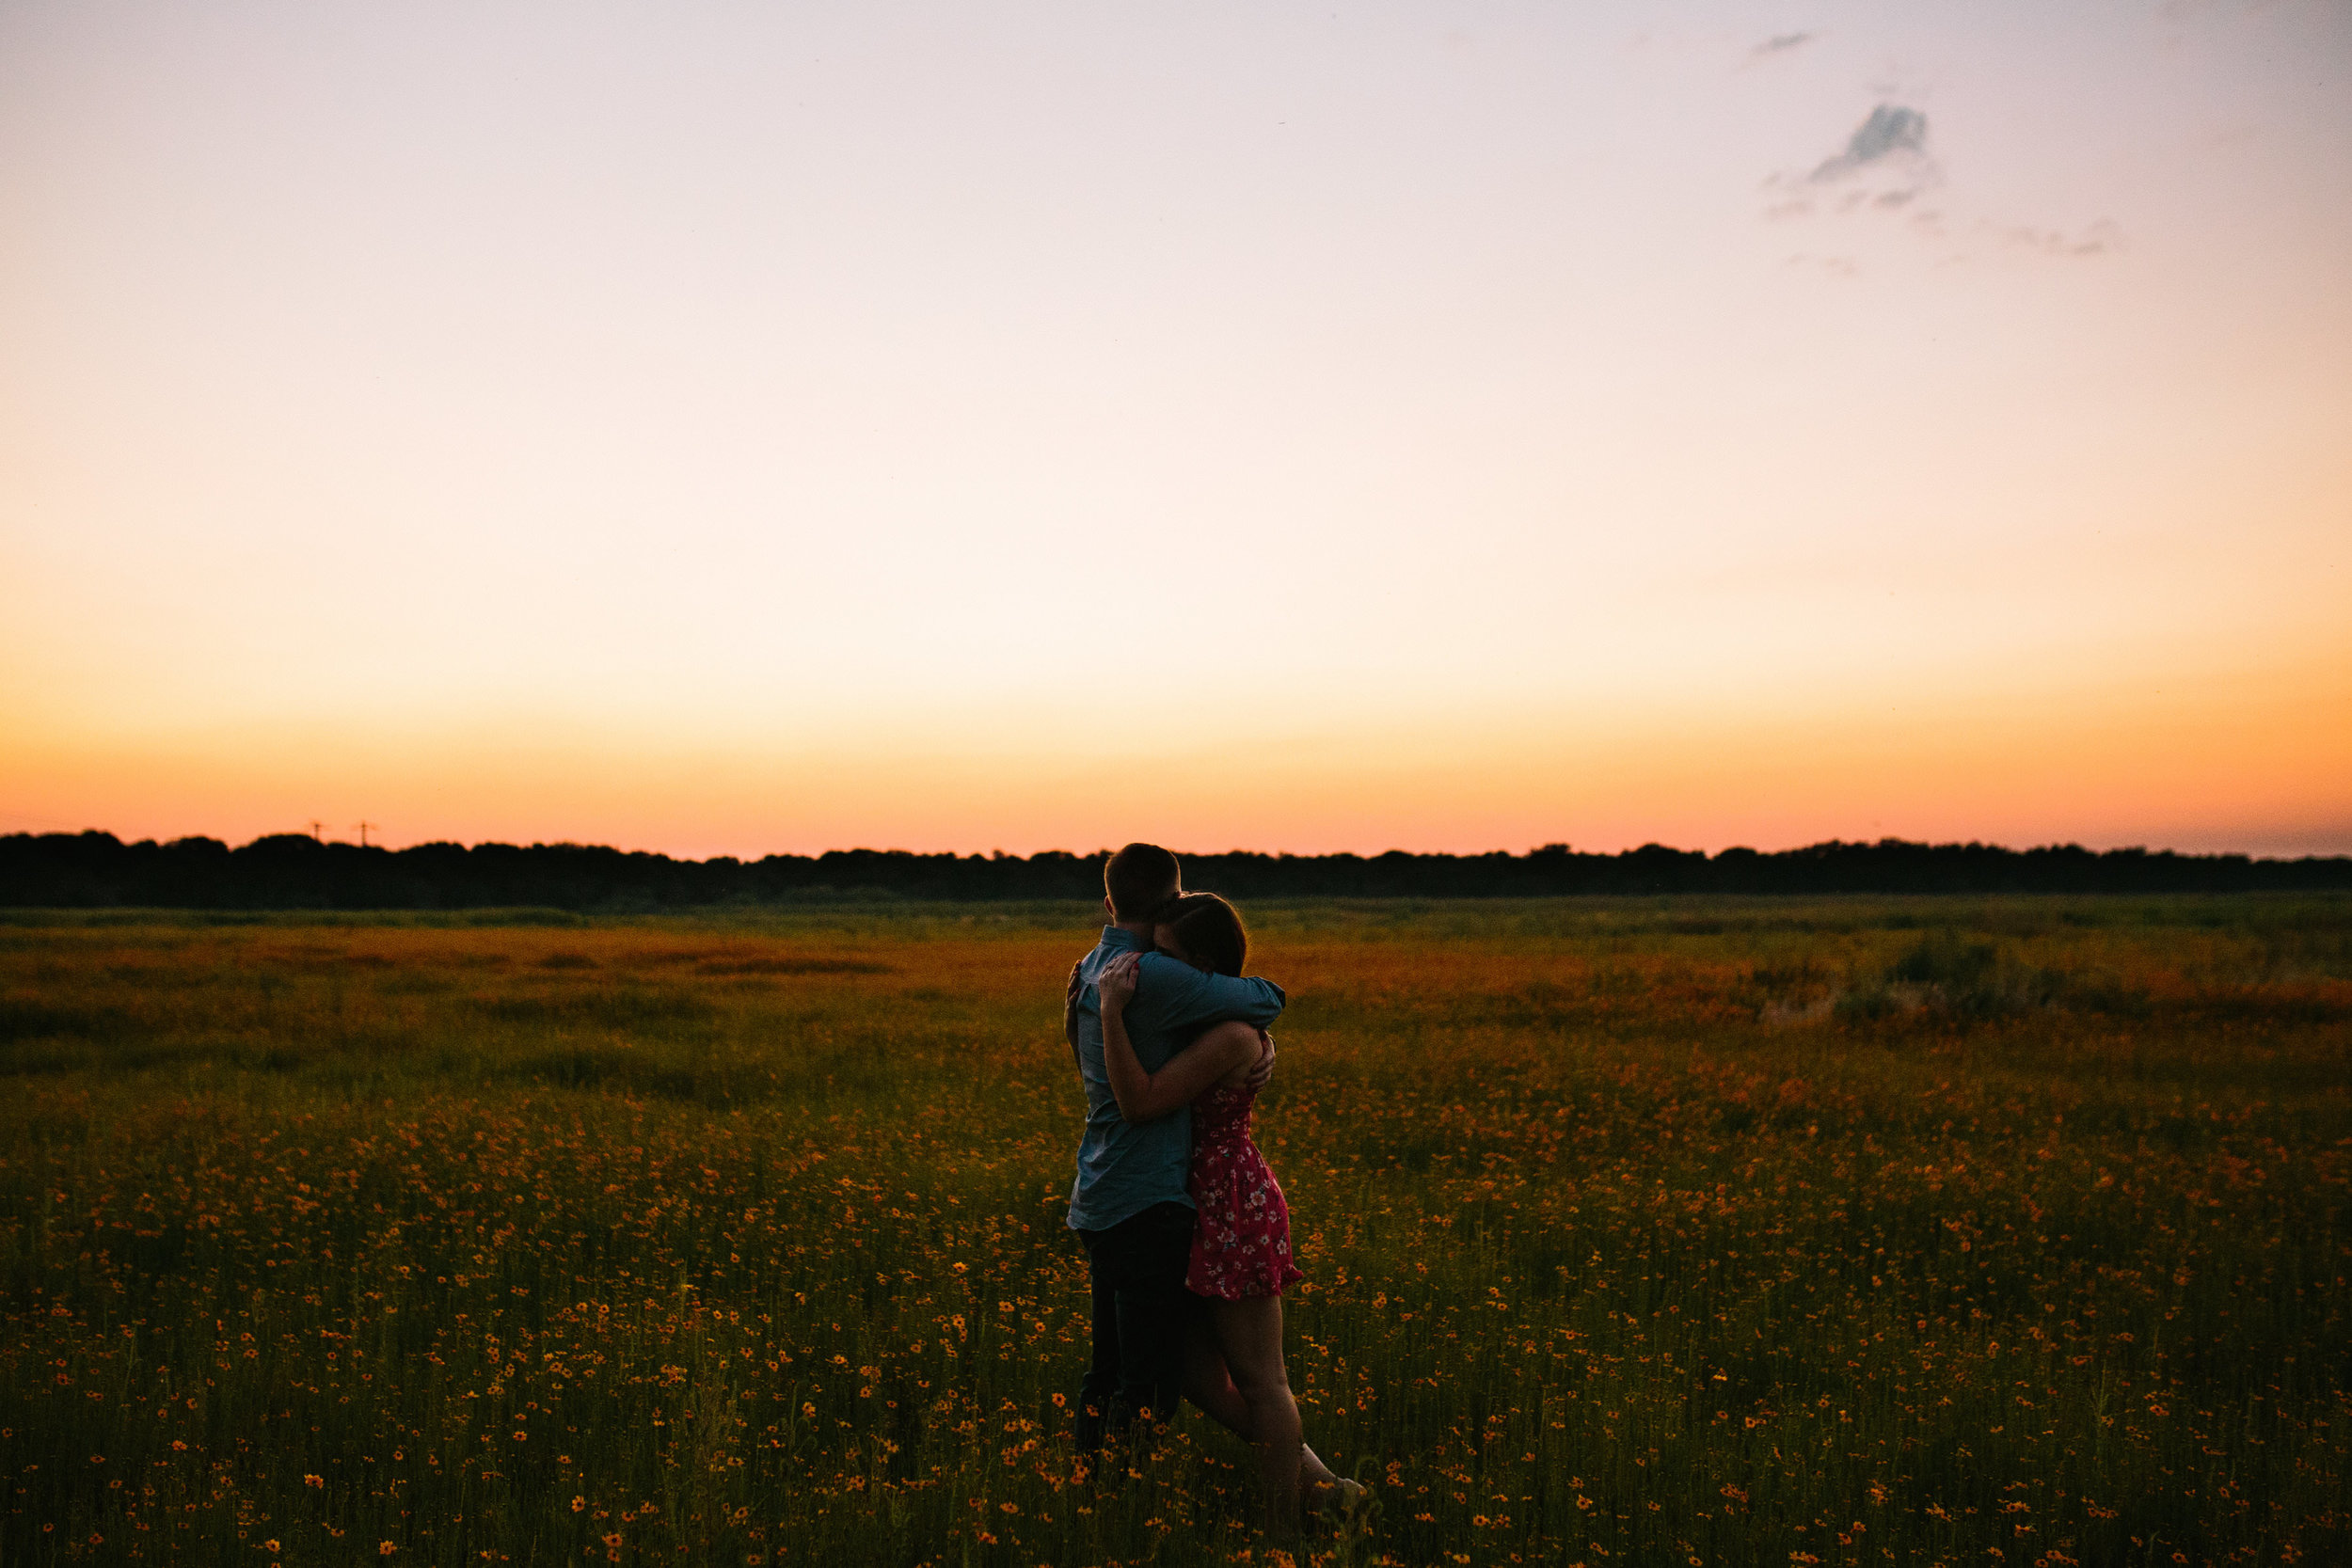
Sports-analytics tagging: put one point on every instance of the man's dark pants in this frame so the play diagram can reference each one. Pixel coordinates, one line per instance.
(1143, 1313)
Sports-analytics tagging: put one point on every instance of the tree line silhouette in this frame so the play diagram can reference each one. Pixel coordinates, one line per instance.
(294, 871)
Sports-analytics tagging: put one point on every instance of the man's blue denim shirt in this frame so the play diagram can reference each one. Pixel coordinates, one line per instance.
(1125, 1166)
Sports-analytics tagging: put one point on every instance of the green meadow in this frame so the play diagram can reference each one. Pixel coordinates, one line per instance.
(1671, 1232)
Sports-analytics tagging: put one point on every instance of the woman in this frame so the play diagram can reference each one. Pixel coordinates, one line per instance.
(1241, 1253)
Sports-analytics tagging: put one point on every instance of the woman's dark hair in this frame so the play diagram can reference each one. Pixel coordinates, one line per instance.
(1209, 930)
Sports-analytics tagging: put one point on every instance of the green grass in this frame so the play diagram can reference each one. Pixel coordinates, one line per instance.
(1729, 1231)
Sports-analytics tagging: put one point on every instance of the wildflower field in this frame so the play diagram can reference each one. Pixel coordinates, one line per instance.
(1760, 1232)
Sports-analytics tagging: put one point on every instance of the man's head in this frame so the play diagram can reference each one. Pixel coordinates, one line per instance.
(1139, 881)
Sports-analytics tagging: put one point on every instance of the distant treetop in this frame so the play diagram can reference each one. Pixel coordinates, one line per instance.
(291, 871)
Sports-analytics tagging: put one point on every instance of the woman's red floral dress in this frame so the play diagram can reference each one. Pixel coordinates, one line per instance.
(1241, 1242)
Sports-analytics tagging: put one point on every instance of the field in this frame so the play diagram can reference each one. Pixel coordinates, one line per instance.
(1980, 1233)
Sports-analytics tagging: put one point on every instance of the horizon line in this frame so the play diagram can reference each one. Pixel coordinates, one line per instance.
(1103, 852)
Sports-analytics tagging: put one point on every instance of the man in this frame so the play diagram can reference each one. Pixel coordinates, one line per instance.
(1128, 1205)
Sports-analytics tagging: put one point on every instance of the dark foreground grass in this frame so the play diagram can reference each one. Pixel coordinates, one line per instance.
(1690, 1233)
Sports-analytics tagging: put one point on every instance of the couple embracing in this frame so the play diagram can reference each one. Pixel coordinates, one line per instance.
(1186, 1233)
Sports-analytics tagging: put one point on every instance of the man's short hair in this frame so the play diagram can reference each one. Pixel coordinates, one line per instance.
(1141, 880)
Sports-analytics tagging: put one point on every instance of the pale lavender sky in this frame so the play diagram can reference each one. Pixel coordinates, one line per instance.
(530, 420)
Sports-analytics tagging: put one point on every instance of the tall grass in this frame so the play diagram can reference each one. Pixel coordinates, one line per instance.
(1994, 1232)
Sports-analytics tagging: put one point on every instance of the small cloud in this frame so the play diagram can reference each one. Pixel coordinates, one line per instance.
(2096, 239)
(1878, 176)
(1883, 167)
(1835, 267)
(1892, 131)
(1780, 43)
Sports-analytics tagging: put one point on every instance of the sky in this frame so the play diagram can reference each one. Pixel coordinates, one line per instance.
(726, 427)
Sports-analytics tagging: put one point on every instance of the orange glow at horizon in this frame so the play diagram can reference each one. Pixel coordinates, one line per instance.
(2257, 764)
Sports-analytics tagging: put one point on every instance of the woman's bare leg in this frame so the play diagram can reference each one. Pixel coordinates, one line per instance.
(1250, 1332)
(1210, 1387)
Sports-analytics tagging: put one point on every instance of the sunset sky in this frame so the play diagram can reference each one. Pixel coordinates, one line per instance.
(734, 428)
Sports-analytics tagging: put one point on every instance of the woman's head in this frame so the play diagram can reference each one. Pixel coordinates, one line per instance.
(1207, 932)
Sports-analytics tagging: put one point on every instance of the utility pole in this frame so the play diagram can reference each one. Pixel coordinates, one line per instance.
(316, 827)
(363, 831)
